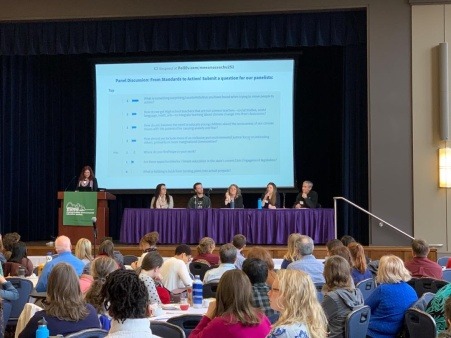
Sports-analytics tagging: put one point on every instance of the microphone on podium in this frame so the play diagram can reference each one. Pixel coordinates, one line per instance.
(94, 222)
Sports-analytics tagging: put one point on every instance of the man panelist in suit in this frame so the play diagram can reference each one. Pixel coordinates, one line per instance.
(307, 198)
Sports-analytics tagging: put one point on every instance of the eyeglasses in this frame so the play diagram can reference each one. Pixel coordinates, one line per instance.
(275, 289)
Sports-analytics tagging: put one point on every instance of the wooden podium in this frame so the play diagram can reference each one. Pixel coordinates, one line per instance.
(77, 232)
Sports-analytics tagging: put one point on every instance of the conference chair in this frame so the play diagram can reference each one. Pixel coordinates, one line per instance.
(24, 287)
(423, 301)
(442, 261)
(166, 330)
(88, 333)
(209, 290)
(366, 286)
(7, 306)
(420, 324)
(424, 284)
(357, 321)
(186, 322)
(447, 275)
(319, 293)
(129, 259)
(199, 268)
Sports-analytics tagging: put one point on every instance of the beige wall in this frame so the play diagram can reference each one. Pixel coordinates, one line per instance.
(389, 80)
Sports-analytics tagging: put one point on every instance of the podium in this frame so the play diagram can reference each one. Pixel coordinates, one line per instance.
(77, 232)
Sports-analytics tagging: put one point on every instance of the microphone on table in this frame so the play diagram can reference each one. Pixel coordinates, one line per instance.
(73, 178)
(209, 191)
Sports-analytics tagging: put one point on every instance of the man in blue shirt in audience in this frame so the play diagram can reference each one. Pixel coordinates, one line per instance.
(308, 263)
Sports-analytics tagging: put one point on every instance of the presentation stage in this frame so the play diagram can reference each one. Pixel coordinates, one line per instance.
(215, 122)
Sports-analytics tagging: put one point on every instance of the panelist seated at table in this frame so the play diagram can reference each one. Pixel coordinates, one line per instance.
(199, 200)
(87, 181)
(161, 199)
(271, 198)
(233, 198)
(307, 198)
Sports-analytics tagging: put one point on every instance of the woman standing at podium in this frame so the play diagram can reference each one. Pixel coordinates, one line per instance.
(87, 181)
(161, 200)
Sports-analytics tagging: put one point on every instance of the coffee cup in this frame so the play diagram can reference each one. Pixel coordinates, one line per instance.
(184, 307)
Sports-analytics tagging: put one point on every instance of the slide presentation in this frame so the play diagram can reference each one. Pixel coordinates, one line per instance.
(215, 122)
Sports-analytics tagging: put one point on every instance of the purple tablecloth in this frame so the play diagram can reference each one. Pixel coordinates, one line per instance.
(188, 226)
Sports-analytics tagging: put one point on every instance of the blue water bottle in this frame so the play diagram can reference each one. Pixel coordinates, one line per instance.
(232, 204)
(259, 203)
(197, 292)
(42, 331)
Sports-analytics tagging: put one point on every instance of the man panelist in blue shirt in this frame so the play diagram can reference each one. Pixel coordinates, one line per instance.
(63, 247)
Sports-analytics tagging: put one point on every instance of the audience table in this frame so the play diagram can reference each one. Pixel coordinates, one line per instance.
(270, 227)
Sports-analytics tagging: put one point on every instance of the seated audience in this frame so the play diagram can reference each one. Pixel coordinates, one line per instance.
(294, 296)
(118, 257)
(342, 251)
(232, 315)
(346, 239)
(307, 262)
(148, 243)
(106, 248)
(227, 256)
(7, 290)
(150, 270)
(340, 295)
(174, 272)
(233, 194)
(239, 242)
(359, 269)
(263, 254)
(436, 307)
(18, 258)
(8, 240)
(447, 333)
(205, 252)
(128, 304)
(332, 244)
(101, 267)
(65, 309)
(390, 300)
(307, 198)
(63, 248)
(421, 265)
(257, 271)
(83, 250)
(161, 199)
(271, 198)
(292, 253)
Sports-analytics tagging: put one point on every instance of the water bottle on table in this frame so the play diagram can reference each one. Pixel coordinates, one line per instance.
(197, 292)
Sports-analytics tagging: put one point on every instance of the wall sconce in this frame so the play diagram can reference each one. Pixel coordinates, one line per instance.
(444, 164)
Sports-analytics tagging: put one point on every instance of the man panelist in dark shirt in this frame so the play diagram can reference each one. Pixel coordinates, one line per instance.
(307, 198)
(199, 200)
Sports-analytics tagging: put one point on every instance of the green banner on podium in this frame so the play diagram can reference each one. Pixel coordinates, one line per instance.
(79, 208)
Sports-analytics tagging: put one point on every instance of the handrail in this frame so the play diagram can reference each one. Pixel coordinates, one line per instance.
(381, 221)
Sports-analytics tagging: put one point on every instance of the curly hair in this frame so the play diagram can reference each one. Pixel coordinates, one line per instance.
(150, 239)
(100, 268)
(125, 295)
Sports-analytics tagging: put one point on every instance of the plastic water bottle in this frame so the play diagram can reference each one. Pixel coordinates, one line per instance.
(259, 203)
(197, 292)
(232, 204)
(42, 331)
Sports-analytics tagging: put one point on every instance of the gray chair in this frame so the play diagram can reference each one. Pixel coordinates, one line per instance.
(442, 261)
(186, 322)
(166, 330)
(199, 268)
(420, 324)
(357, 321)
(24, 286)
(88, 333)
(366, 286)
(423, 301)
(209, 290)
(447, 275)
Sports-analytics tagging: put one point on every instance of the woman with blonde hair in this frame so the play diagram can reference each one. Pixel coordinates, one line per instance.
(263, 254)
(293, 294)
(65, 310)
(205, 252)
(391, 298)
(359, 270)
(293, 251)
(83, 250)
(232, 315)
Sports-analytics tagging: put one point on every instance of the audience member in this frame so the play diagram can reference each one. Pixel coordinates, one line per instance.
(18, 259)
(148, 243)
(308, 262)
(227, 256)
(8, 240)
(271, 198)
(150, 270)
(341, 297)
(263, 254)
(333, 243)
(127, 302)
(232, 315)
(390, 300)
(447, 333)
(421, 265)
(199, 200)
(294, 296)
(346, 239)
(257, 271)
(436, 307)
(65, 310)
(7, 290)
(161, 199)
(292, 253)
(359, 270)
(83, 250)
(307, 198)
(174, 272)
(205, 252)
(63, 248)
(342, 251)
(239, 242)
(117, 255)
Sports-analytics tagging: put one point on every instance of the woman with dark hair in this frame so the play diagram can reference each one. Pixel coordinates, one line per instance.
(341, 296)
(263, 254)
(149, 270)
(19, 258)
(233, 194)
(232, 314)
(271, 198)
(161, 199)
(65, 310)
(86, 180)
